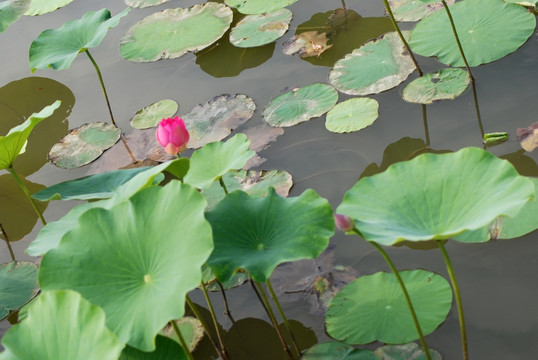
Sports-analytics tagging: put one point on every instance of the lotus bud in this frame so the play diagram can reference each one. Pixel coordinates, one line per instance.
(344, 223)
(173, 135)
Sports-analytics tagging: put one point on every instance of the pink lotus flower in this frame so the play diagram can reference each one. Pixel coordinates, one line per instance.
(173, 135)
(344, 223)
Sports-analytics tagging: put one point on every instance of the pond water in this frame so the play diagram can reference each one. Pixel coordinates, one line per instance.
(497, 279)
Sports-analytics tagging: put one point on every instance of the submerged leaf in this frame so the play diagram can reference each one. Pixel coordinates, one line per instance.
(352, 115)
(150, 115)
(308, 43)
(528, 137)
(258, 6)
(257, 30)
(441, 85)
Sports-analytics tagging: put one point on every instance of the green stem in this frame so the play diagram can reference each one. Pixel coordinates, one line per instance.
(181, 340)
(477, 110)
(226, 308)
(425, 122)
(27, 193)
(215, 323)
(286, 323)
(6, 239)
(395, 24)
(223, 185)
(457, 294)
(407, 298)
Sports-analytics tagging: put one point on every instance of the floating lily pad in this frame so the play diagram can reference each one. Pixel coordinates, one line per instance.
(191, 329)
(166, 349)
(255, 183)
(412, 10)
(54, 317)
(258, 6)
(373, 307)
(300, 105)
(531, 4)
(216, 159)
(257, 30)
(441, 85)
(150, 115)
(333, 350)
(144, 3)
(257, 234)
(40, 7)
(131, 270)
(172, 33)
(10, 11)
(57, 48)
(18, 284)
(477, 23)
(308, 43)
(425, 198)
(352, 115)
(83, 145)
(376, 66)
(216, 119)
(410, 351)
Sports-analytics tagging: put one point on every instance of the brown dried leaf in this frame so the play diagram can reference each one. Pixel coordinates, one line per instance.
(306, 44)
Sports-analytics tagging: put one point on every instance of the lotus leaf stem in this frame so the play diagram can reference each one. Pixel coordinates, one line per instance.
(457, 295)
(477, 109)
(226, 308)
(286, 323)
(223, 185)
(6, 239)
(27, 193)
(425, 122)
(215, 323)
(395, 24)
(181, 340)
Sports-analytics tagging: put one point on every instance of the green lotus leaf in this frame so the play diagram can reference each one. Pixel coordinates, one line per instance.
(10, 11)
(57, 48)
(300, 105)
(171, 33)
(373, 307)
(376, 66)
(215, 159)
(166, 349)
(99, 186)
(40, 7)
(216, 119)
(488, 30)
(441, 85)
(191, 330)
(150, 115)
(333, 350)
(352, 115)
(255, 183)
(411, 10)
(433, 197)
(50, 235)
(83, 145)
(18, 284)
(14, 143)
(410, 351)
(258, 6)
(144, 3)
(136, 260)
(61, 325)
(257, 30)
(257, 234)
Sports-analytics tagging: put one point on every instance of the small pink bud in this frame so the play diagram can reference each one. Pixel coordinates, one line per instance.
(173, 135)
(344, 223)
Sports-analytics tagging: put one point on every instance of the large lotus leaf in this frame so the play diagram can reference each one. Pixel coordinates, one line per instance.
(410, 351)
(376, 66)
(50, 235)
(300, 105)
(257, 234)
(373, 307)
(257, 30)
(40, 7)
(441, 85)
(166, 349)
(150, 115)
(84, 144)
(216, 159)
(216, 119)
(172, 33)
(255, 183)
(10, 11)
(333, 350)
(144, 3)
(99, 186)
(137, 260)
(61, 325)
(57, 48)
(14, 143)
(18, 284)
(258, 6)
(412, 10)
(352, 115)
(488, 30)
(436, 197)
